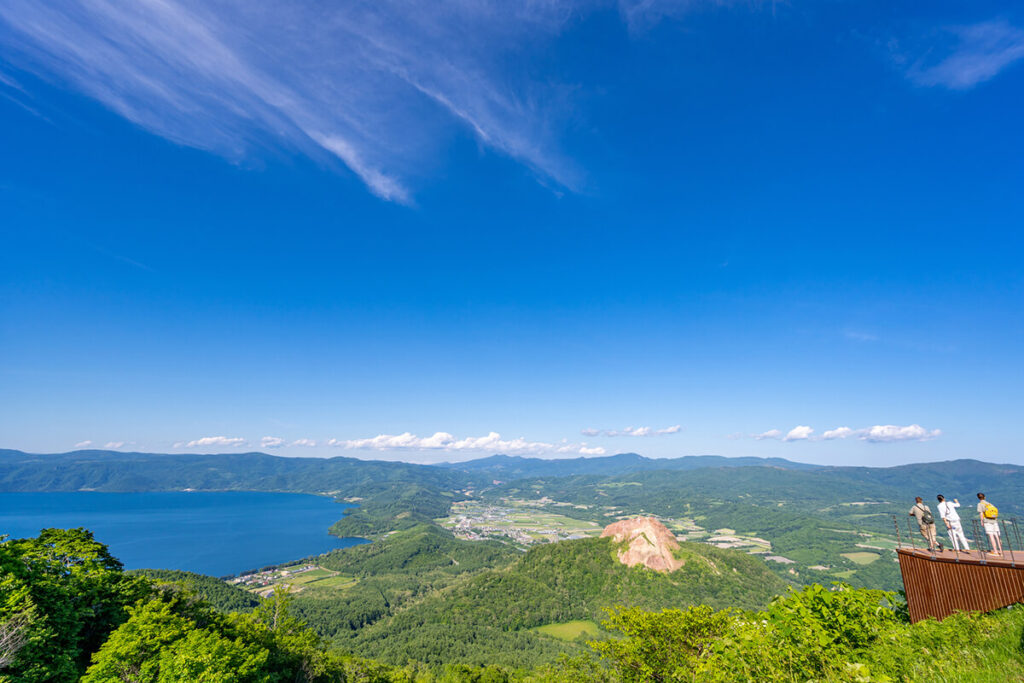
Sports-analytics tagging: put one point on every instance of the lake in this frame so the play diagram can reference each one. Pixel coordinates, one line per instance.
(215, 533)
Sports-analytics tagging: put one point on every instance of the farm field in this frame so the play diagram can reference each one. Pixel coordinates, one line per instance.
(523, 524)
(570, 630)
(861, 557)
(295, 579)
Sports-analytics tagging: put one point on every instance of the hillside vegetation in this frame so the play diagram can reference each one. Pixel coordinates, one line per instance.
(400, 568)
(487, 618)
(223, 596)
(68, 612)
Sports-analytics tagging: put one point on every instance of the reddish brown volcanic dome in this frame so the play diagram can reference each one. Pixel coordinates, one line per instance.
(650, 543)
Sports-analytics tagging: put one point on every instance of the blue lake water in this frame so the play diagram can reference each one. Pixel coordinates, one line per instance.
(216, 533)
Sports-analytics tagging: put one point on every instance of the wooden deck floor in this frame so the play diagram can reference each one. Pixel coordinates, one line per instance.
(939, 584)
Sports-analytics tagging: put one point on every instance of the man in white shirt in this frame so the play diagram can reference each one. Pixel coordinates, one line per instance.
(948, 514)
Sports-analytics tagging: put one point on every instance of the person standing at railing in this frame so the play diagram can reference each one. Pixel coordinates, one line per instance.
(926, 522)
(949, 515)
(989, 515)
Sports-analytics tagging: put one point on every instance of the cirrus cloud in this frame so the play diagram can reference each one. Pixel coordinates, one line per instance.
(965, 56)
(369, 86)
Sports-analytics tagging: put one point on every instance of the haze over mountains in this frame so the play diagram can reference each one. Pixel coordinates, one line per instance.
(104, 470)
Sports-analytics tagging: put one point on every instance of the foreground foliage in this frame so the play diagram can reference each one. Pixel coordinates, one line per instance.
(68, 612)
(842, 634)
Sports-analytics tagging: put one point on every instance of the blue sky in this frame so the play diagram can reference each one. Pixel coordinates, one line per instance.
(542, 228)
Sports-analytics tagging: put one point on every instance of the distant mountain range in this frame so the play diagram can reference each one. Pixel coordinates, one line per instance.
(101, 470)
(517, 467)
(97, 470)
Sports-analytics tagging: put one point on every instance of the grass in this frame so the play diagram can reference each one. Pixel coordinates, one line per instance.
(570, 630)
(992, 652)
(308, 577)
(861, 557)
(336, 582)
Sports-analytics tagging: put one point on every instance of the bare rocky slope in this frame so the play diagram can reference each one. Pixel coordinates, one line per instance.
(647, 542)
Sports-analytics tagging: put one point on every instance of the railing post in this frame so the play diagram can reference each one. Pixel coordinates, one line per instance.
(1006, 543)
(981, 553)
(896, 523)
(910, 533)
(1017, 532)
(955, 541)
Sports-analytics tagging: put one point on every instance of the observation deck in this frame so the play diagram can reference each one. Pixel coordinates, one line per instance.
(940, 583)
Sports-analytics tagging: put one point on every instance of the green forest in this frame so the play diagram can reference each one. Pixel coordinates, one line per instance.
(69, 612)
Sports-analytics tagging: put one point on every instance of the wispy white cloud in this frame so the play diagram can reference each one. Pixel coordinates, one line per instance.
(367, 84)
(860, 335)
(308, 443)
(967, 55)
(271, 442)
(444, 441)
(641, 15)
(83, 444)
(212, 441)
(632, 431)
(876, 434)
(113, 445)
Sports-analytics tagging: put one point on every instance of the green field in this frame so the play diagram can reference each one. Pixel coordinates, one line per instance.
(861, 558)
(315, 578)
(308, 577)
(570, 630)
(336, 582)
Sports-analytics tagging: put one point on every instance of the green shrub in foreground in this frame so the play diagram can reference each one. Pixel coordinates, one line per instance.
(815, 634)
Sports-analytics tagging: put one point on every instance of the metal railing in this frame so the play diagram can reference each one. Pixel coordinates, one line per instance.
(1008, 537)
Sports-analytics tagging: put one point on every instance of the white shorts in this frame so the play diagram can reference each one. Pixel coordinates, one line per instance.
(991, 527)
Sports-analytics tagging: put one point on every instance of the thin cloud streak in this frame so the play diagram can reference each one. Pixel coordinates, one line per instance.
(980, 52)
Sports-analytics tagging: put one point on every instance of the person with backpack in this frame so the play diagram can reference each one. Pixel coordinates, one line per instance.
(926, 522)
(989, 515)
(949, 515)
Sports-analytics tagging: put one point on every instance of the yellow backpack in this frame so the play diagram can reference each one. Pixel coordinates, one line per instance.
(991, 511)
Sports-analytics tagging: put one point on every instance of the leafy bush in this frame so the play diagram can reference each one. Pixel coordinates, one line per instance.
(842, 634)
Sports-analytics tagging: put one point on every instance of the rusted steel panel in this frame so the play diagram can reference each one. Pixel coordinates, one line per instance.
(939, 585)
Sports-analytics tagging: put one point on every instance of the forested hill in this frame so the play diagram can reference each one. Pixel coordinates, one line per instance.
(517, 467)
(99, 470)
(487, 617)
(96, 470)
